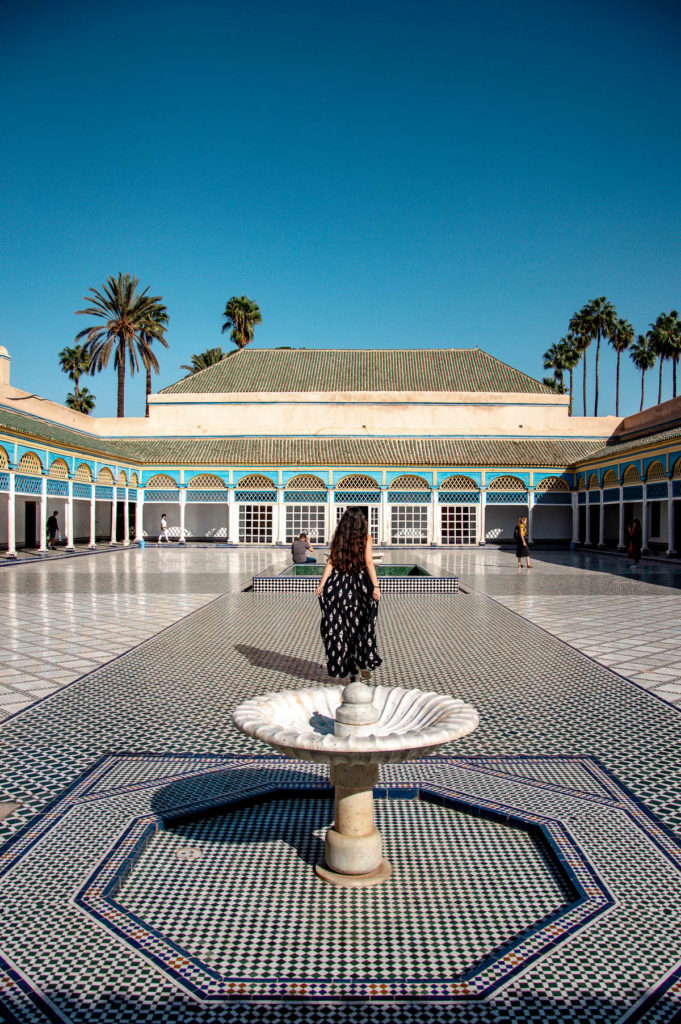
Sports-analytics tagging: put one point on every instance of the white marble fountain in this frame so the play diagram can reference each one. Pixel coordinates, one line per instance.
(354, 729)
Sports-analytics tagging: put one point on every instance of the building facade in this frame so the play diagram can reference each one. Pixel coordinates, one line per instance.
(440, 447)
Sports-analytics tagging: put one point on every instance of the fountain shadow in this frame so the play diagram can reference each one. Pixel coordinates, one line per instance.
(300, 803)
(298, 668)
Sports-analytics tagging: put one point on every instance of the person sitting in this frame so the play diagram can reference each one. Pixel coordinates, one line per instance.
(299, 550)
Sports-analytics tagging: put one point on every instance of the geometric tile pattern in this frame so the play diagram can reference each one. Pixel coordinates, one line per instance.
(560, 735)
(495, 914)
(268, 583)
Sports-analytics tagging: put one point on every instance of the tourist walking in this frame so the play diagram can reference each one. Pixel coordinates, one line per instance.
(164, 529)
(522, 549)
(53, 532)
(299, 550)
(349, 595)
(635, 542)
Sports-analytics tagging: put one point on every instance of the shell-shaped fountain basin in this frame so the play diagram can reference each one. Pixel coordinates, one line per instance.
(300, 723)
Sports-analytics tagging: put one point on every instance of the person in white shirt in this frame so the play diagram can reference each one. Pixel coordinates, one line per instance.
(164, 529)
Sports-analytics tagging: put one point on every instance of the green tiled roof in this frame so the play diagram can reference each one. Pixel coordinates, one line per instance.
(619, 450)
(301, 370)
(369, 451)
(45, 432)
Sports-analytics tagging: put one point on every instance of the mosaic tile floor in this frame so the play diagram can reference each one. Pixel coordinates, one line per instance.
(564, 744)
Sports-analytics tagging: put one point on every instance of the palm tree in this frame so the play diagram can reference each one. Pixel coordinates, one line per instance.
(663, 334)
(84, 401)
(620, 338)
(556, 384)
(241, 314)
(675, 348)
(579, 330)
(643, 356)
(569, 357)
(553, 360)
(159, 317)
(205, 359)
(597, 319)
(75, 362)
(126, 315)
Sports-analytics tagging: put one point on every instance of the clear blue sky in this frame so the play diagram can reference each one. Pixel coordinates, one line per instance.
(438, 173)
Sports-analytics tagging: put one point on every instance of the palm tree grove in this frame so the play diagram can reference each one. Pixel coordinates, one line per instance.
(128, 324)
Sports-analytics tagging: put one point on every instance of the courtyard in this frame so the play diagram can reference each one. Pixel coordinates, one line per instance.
(157, 864)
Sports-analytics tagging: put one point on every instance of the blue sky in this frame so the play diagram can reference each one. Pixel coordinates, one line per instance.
(381, 174)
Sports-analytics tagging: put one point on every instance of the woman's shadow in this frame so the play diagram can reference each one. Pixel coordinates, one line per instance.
(298, 668)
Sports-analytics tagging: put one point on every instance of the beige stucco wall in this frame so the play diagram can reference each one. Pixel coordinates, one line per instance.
(352, 413)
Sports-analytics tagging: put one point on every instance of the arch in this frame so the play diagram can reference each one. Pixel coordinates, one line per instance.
(256, 482)
(610, 479)
(458, 483)
(581, 484)
(409, 482)
(105, 476)
(305, 482)
(632, 475)
(656, 472)
(122, 479)
(134, 482)
(4, 458)
(507, 483)
(161, 480)
(206, 481)
(676, 471)
(59, 470)
(552, 483)
(593, 482)
(83, 474)
(30, 465)
(357, 482)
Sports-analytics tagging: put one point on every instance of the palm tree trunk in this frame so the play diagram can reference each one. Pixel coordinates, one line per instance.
(570, 405)
(617, 385)
(584, 384)
(121, 388)
(659, 390)
(598, 353)
(148, 389)
(676, 359)
(643, 388)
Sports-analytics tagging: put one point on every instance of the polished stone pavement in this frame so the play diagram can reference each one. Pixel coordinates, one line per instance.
(126, 654)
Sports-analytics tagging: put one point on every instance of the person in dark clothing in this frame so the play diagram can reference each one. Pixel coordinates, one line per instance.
(522, 548)
(53, 533)
(635, 541)
(299, 550)
(348, 594)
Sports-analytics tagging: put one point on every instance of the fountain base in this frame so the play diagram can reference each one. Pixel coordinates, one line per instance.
(380, 874)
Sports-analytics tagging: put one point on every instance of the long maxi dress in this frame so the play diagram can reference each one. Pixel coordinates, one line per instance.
(348, 625)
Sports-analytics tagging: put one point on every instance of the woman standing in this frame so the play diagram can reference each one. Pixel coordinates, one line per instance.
(635, 541)
(522, 547)
(349, 594)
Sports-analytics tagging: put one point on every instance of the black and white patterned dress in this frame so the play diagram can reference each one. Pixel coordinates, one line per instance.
(348, 624)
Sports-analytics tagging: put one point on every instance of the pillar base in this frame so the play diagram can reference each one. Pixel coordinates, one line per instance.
(69, 549)
(380, 874)
(670, 553)
(9, 556)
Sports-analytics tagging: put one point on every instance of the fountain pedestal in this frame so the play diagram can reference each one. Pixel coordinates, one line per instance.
(353, 849)
(355, 729)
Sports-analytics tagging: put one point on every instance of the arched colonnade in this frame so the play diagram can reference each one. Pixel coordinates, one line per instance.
(91, 510)
(609, 501)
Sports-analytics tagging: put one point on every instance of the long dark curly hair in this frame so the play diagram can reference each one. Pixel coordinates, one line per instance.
(348, 547)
